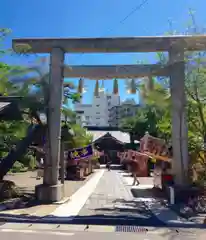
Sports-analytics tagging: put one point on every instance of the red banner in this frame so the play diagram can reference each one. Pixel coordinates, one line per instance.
(155, 147)
(131, 154)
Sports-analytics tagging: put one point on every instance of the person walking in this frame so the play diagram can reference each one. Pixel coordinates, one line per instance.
(108, 165)
(108, 162)
(134, 170)
(40, 169)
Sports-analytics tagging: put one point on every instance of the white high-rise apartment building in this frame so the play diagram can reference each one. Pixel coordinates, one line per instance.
(97, 113)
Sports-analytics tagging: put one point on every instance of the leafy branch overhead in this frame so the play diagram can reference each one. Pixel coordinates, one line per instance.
(155, 95)
(31, 86)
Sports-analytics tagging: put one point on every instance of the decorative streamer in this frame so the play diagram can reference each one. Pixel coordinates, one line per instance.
(96, 90)
(81, 86)
(143, 91)
(133, 87)
(115, 87)
(150, 83)
(128, 88)
(102, 86)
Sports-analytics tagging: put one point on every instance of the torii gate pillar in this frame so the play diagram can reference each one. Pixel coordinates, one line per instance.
(51, 190)
(179, 121)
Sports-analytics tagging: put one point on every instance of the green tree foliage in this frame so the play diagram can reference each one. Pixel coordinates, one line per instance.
(145, 120)
(12, 131)
(18, 81)
(155, 93)
(82, 137)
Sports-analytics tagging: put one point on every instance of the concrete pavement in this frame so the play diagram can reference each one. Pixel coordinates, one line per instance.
(111, 203)
(27, 205)
(103, 208)
(78, 199)
(143, 193)
(106, 199)
(63, 213)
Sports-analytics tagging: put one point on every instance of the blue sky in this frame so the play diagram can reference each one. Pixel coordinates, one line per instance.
(89, 18)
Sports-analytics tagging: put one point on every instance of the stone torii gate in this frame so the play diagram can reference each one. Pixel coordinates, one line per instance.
(51, 190)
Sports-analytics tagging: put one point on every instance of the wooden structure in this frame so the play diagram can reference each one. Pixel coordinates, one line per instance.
(161, 153)
(152, 150)
(77, 170)
(110, 141)
(134, 156)
(155, 148)
(110, 146)
(175, 69)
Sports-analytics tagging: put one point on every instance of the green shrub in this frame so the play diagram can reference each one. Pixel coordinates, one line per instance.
(17, 167)
(3, 154)
(32, 162)
(29, 160)
(25, 159)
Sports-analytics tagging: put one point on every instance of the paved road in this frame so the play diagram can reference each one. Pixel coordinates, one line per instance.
(113, 203)
(7, 234)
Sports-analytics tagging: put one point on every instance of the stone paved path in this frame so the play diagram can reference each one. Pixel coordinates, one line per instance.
(112, 203)
(26, 183)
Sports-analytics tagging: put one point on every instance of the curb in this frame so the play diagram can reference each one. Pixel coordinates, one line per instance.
(68, 220)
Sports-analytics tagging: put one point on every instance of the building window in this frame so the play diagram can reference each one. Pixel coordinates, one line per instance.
(109, 97)
(97, 105)
(87, 117)
(97, 118)
(97, 112)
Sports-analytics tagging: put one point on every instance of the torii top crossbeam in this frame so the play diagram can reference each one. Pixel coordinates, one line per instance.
(114, 45)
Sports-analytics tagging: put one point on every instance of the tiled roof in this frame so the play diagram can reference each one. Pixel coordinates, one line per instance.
(120, 136)
(3, 105)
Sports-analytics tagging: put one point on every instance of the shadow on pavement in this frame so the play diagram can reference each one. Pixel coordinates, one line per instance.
(147, 193)
(97, 219)
(121, 212)
(91, 220)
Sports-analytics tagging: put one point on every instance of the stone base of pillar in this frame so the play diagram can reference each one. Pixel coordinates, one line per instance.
(49, 194)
